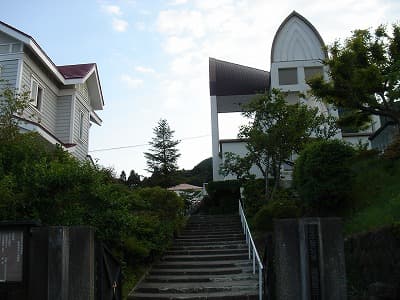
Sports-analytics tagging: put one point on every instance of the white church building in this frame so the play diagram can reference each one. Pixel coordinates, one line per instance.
(296, 55)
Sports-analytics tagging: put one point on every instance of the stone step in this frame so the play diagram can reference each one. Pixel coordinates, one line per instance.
(214, 231)
(245, 295)
(197, 287)
(208, 251)
(209, 247)
(227, 218)
(200, 278)
(202, 264)
(211, 235)
(203, 271)
(213, 257)
(211, 228)
(221, 223)
(206, 242)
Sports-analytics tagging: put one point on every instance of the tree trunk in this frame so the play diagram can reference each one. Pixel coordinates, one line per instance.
(266, 182)
(277, 178)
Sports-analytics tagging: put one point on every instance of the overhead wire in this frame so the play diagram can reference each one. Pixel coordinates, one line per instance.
(142, 145)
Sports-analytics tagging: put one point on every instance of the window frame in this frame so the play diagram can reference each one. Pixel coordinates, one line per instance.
(283, 79)
(36, 94)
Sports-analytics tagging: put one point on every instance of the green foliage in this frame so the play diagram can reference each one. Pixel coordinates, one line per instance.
(322, 175)
(236, 165)
(223, 197)
(163, 154)
(364, 72)
(133, 179)
(253, 196)
(393, 150)
(276, 130)
(284, 205)
(12, 103)
(44, 183)
(375, 193)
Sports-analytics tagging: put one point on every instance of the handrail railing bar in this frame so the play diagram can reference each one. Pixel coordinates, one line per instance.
(252, 249)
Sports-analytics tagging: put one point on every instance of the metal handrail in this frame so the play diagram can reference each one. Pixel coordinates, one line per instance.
(253, 254)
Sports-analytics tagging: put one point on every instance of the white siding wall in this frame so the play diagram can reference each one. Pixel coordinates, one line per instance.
(81, 149)
(83, 93)
(6, 39)
(8, 71)
(47, 113)
(63, 124)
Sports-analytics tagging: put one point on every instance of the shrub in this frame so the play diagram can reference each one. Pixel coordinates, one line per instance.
(254, 195)
(322, 175)
(393, 150)
(284, 205)
(41, 182)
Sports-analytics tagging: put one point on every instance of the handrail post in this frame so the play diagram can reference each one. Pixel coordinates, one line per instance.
(254, 262)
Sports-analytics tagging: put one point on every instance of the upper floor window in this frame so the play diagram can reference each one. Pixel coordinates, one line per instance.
(287, 76)
(310, 72)
(36, 93)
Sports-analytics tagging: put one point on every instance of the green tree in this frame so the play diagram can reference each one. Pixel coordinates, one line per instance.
(276, 130)
(122, 177)
(12, 104)
(163, 154)
(365, 76)
(133, 179)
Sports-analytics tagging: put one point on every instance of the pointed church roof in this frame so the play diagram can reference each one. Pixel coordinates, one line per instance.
(295, 14)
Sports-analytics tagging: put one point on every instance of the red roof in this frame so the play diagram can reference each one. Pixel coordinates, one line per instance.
(75, 71)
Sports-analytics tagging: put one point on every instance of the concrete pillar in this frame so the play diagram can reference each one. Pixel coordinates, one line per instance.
(215, 139)
(309, 259)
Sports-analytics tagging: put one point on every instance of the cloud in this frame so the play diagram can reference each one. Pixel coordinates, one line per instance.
(119, 25)
(178, 2)
(176, 45)
(131, 82)
(142, 69)
(112, 9)
(176, 22)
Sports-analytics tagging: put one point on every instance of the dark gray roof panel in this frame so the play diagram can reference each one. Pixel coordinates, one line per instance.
(228, 79)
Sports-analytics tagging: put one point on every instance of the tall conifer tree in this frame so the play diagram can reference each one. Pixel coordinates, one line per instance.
(163, 155)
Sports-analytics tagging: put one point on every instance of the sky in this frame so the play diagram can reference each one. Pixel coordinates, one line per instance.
(152, 57)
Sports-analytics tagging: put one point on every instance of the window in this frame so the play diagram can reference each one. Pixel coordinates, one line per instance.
(287, 76)
(36, 93)
(81, 118)
(310, 72)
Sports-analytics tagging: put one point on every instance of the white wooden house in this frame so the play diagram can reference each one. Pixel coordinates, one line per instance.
(64, 99)
(296, 55)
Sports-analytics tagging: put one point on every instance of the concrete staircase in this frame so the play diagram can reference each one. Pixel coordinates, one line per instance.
(209, 260)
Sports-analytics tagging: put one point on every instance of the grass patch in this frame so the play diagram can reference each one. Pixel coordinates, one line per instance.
(132, 275)
(375, 194)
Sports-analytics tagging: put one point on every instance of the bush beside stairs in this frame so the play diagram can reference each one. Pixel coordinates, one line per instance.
(209, 260)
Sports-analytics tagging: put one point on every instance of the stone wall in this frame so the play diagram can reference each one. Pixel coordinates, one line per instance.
(373, 264)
